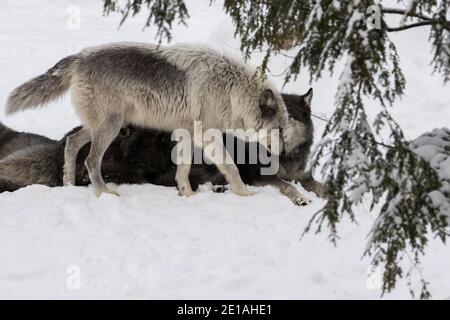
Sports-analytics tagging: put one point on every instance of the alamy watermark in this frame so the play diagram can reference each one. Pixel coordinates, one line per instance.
(374, 279)
(73, 21)
(374, 20)
(237, 146)
(73, 281)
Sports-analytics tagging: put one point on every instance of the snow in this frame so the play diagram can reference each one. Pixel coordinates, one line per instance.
(150, 243)
(434, 147)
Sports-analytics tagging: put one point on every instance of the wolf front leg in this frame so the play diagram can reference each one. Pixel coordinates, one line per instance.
(285, 188)
(309, 183)
(216, 152)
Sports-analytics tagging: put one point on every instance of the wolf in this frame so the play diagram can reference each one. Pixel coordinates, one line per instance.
(18, 151)
(140, 155)
(149, 150)
(163, 88)
(27, 158)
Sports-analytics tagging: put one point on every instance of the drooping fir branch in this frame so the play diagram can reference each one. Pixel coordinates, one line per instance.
(408, 215)
(278, 25)
(358, 164)
(433, 13)
(423, 19)
(162, 13)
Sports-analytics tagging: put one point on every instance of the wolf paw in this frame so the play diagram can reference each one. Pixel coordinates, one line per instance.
(114, 193)
(220, 189)
(244, 192)
(301, 202)
(98, 193)
(186, 192)
(68, 181)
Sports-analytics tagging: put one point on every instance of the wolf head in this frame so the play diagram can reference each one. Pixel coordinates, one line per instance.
(272, 109)
(297, 135)
(260, 110)
(256, 104)
(299, 129)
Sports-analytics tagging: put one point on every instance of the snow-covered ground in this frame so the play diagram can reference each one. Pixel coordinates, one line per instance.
(150, 243)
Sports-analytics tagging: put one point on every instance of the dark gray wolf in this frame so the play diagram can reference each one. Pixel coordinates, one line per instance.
(163, 88)
(27, 158)
(140, 155)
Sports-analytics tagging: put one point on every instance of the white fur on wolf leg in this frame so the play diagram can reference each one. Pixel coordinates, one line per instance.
(67, 180)
(237, 186)
(68, 175)
(182, 179)
(185, 192)
(74, 143)
(185, 189)
(243, 191)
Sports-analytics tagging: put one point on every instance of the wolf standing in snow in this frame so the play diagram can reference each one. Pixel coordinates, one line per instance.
(140, 155)
(161, 88)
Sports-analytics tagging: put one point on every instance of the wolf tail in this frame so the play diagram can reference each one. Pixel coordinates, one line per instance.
(44, 88)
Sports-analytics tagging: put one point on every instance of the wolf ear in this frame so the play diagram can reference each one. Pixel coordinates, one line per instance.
(308, 97)
(267, 103)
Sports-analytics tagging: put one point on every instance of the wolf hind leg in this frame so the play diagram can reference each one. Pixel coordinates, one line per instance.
(101, 138)
(74, 143)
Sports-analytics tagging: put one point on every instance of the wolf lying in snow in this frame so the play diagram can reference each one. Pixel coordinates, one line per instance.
(144, 156)
(168, 88)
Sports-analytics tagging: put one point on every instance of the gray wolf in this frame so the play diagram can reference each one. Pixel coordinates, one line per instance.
(163, 88)
(153, 150)
(140, 155)
(27, 158)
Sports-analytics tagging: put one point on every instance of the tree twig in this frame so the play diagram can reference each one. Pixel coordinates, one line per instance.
(413, 25)
(426, 19)
(403, 12)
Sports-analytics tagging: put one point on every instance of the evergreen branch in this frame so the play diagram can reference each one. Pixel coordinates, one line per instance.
(403, 12)
(412, 25)
(427, 20)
